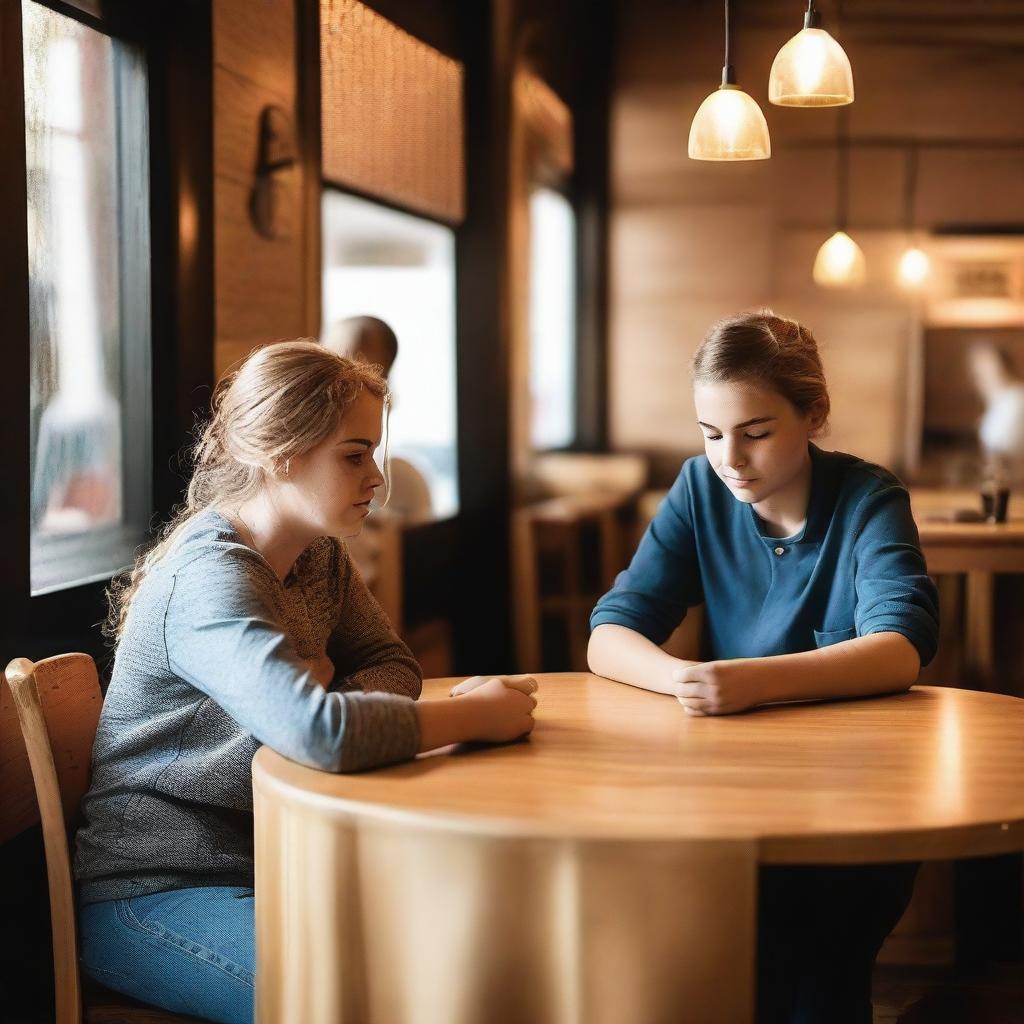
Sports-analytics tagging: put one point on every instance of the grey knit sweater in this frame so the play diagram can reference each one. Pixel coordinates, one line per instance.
(213, 662)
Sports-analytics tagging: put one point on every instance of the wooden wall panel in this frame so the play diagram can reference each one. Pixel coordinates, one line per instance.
(257, 38)
(259, 281)
(675, 269)
(229, 354)
(237, 105)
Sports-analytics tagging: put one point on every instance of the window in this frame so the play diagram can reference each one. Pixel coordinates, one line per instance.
(401, 269)
(86, 139)
(552, 319)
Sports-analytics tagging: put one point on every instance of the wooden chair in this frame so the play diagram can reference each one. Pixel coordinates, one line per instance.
(555, 528)
(49, 711)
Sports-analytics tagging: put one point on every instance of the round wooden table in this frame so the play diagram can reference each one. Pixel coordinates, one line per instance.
(605, 870)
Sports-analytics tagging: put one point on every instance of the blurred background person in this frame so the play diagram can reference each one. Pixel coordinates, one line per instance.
(1001, 429)
(377, 550)
(366, 338)
(371, 340)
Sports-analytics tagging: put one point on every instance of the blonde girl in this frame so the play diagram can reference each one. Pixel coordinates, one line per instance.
(246, 625)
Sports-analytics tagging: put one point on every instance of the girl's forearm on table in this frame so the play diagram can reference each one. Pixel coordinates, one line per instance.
(874, 664)
(622, 654)
(443, 722)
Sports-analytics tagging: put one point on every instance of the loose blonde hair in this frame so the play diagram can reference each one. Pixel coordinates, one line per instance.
(281, 401)
(773, 351)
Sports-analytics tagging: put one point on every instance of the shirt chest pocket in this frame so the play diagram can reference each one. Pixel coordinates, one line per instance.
(833, 636)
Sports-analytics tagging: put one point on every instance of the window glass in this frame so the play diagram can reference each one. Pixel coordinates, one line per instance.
(85, 134)
(400, 269)
(552, 314)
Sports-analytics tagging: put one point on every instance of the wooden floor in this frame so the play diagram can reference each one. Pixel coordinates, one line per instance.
(930, 995)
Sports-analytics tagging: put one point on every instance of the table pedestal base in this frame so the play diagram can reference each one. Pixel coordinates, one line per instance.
(364, 921)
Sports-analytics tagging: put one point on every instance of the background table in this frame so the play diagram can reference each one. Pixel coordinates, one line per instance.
(975, 550)
(605, 870)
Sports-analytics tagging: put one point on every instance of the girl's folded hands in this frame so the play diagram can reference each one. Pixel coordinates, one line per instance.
(715, 687)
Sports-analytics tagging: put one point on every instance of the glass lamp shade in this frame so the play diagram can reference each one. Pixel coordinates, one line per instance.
(840, 263)
(729, 125)
(914, 268)
(811, 70)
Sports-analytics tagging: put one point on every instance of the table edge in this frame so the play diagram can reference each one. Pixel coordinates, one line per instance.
(934, 843)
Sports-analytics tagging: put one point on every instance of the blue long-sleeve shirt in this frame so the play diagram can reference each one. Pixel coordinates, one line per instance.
(855, 568)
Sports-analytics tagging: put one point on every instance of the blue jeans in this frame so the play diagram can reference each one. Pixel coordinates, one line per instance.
(188, 951)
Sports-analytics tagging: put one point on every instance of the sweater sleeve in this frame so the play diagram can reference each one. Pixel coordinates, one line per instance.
(663, 579)
(894, 591)
(223, 635)
(366, 652)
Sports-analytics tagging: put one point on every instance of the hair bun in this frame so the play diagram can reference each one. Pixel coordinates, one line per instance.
(773, 351)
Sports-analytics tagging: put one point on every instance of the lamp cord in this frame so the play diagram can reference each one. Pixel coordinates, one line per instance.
(910, 188)
(728, 75)
(843, 176)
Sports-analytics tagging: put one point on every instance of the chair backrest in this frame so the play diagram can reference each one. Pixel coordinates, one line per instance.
(49, 712)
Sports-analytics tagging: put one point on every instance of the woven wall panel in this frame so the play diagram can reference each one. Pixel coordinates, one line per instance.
(391, 112)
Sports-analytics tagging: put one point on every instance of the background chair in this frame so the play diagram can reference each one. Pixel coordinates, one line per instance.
(49, 711)
(566, 552)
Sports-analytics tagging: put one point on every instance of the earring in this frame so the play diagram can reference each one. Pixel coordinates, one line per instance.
(287, 466)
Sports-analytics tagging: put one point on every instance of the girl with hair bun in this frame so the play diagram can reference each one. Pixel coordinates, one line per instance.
(810, 570)
(246, 624)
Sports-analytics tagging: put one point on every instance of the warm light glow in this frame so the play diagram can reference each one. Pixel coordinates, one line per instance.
(840, 263)
(811, 70)
(729, 125)
(188, 223)
(946, 763)
(914, 268)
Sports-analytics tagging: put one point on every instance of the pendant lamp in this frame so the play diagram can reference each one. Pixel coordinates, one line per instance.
(914, 268)
(812, 69)
(914, 265)
(729, 125)
(840, 261)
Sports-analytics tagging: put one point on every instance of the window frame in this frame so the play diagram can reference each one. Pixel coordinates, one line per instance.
(327, 185)
(135, 319)
(176, 40)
